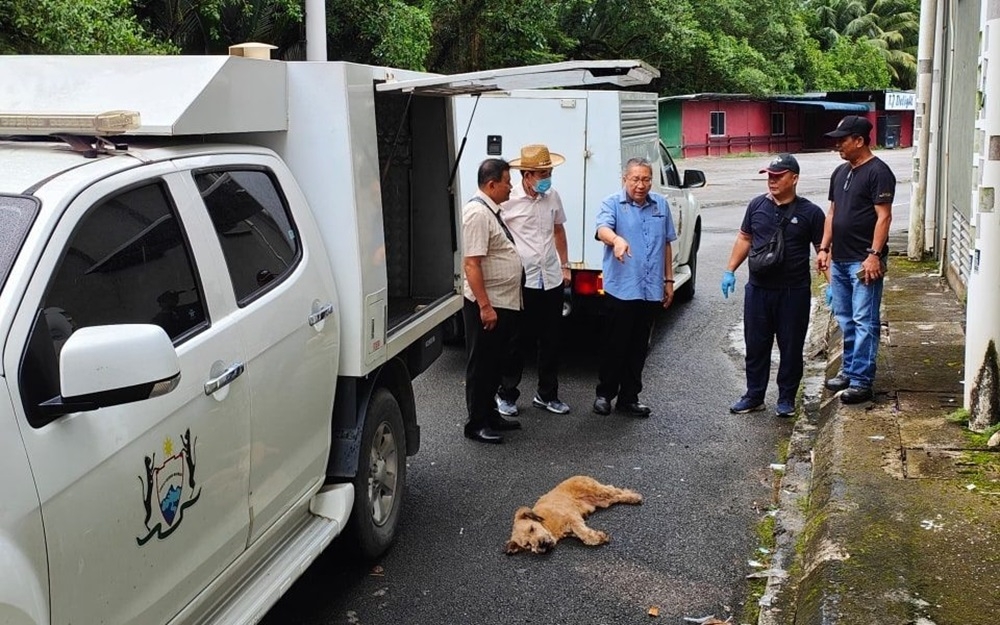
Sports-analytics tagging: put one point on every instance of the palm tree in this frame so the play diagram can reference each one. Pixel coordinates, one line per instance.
(891, 26)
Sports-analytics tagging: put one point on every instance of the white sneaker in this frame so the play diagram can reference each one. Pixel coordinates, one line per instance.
(506, 408)
(555, 406)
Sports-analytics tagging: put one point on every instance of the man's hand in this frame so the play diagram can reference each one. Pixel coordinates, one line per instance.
(622, 248)
(728, 283)
(822, 261)
(872, 267)
(668, 294)
(567, 276)
(488, 316)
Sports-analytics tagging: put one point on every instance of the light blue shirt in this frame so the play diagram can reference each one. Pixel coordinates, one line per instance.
(648, 229)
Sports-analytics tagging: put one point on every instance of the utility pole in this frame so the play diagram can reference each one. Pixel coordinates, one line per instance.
(982, 386)
(316, 30)
(925, 71)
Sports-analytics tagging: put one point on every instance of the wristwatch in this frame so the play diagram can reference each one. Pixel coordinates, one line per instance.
(872, 250)
(824, 249)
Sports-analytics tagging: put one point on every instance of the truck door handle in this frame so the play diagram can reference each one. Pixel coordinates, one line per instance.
(324, 311)
(234, 371)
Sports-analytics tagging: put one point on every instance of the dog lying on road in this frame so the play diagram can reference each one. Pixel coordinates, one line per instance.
(561, 512)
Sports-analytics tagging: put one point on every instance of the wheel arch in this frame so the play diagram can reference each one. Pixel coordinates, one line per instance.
(350, 408)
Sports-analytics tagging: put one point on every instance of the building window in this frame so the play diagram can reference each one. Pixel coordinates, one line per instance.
(718, 124)
(777, 123)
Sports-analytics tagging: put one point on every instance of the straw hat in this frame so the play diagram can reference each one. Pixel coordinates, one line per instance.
(536, 157)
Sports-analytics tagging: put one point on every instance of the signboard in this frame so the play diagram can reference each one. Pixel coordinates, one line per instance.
(900, 101)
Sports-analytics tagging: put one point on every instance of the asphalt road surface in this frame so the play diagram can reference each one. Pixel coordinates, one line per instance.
(704, 473)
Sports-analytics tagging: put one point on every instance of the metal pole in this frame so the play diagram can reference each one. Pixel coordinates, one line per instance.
(316, 30)
(922, 118)
(983, 306)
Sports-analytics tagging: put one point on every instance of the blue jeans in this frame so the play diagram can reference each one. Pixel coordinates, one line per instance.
(856, 308)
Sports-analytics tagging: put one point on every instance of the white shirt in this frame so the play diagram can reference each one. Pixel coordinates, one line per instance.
(532, 221)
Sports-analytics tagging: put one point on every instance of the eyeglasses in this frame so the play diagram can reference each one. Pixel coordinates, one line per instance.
(847, 181)
(637, 180)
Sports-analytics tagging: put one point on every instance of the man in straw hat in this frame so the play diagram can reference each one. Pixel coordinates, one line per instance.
(534, 214)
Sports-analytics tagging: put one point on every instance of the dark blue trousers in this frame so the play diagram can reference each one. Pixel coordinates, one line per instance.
(767, 314)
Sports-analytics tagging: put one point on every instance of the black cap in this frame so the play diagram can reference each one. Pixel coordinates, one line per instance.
(850, 126)
(780, 164)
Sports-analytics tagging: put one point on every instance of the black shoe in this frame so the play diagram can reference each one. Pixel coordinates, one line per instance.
(602, 406)
(484, 435)
(838, 382)
(504, 424)
(634, 409)
(856, 395)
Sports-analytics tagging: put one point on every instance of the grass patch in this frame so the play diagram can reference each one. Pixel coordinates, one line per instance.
(903, 265)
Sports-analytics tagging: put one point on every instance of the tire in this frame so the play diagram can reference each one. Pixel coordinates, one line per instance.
(686, 292)
(381, 479)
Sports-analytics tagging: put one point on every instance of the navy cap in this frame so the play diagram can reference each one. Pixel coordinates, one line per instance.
(780, 164)
(850, 126)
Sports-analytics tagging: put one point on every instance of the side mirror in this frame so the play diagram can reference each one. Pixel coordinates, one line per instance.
(102, 366)
(694, 178)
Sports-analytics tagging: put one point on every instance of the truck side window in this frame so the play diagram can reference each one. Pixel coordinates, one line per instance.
(127, 261)
(673, 178)
(255, 230)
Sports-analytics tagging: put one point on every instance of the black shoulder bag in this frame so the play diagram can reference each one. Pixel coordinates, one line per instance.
(766, 258)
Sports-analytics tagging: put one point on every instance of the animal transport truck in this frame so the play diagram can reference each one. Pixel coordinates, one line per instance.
(218, 278)
(597, 131)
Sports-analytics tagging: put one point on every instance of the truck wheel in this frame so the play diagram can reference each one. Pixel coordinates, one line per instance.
(686, 292)
(381, 479)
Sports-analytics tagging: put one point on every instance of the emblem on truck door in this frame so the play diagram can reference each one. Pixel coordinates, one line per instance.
(168, 489)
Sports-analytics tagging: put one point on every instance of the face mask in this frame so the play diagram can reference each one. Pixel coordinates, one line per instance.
(543, 185)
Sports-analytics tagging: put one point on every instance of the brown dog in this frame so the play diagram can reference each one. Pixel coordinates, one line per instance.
(561, 512)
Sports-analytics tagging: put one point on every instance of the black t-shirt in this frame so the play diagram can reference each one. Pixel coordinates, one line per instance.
(805, 227)
(854, 215)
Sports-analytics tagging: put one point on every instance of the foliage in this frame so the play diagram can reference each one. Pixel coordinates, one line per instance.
(847, 66)
(727, 46)
(391, 33)
(211, 26)
(78, 27)
(890, 26)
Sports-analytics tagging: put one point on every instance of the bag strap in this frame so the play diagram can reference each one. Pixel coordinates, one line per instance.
(500, 221)
(787, 214)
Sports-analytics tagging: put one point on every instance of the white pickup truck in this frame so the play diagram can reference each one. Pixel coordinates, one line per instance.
(213, 300)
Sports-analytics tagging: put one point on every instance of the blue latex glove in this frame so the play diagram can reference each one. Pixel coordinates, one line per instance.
(728, 283)
(829, 295)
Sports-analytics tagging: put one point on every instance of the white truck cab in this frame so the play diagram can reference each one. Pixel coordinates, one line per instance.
(218, 278)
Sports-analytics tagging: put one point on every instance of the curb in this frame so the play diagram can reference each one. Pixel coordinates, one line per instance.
(796, 526)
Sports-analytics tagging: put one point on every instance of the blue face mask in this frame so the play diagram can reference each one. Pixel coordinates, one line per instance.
(543, 185)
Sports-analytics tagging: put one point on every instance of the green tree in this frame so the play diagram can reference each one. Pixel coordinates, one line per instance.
(390, 32)
(847, 66)
(890, 26)
(211, 26)
(78, 27)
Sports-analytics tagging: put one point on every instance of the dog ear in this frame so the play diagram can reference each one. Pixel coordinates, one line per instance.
(513, 547)
(528, 513)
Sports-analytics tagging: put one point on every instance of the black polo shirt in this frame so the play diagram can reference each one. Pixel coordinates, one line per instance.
(854, 194)
(804, 228)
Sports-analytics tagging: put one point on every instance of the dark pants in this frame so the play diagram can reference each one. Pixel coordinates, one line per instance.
(538, 332)
(770, 313)
(624, 345)
(485, 350)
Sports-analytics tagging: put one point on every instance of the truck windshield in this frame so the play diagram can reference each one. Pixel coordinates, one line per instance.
(17, 213)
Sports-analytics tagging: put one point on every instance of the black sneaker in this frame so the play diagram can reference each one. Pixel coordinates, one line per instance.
(857, 395)
(747, 404)
(838, 382)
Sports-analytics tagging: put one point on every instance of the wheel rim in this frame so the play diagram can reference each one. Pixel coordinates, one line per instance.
(382, 474)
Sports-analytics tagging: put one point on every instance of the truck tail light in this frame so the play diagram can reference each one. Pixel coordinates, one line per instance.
(588, 283)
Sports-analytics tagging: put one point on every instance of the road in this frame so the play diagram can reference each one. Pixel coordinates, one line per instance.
(704, 473)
